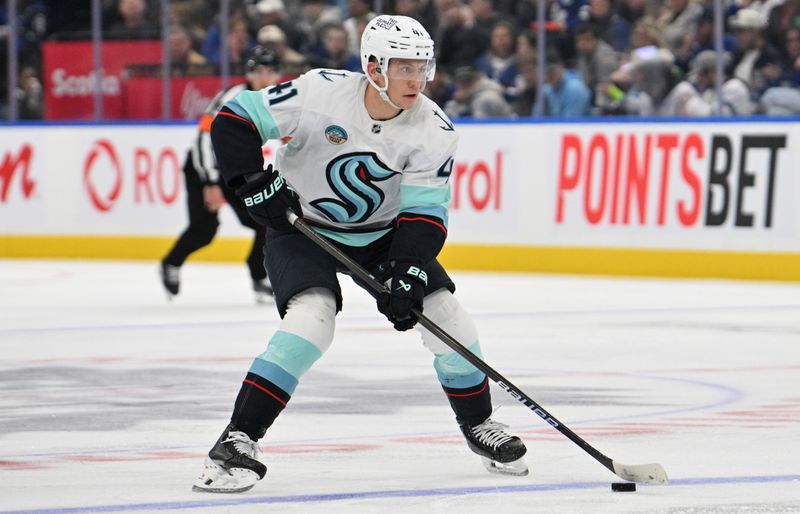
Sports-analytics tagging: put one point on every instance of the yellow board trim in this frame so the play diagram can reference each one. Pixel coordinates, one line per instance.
(532, 259)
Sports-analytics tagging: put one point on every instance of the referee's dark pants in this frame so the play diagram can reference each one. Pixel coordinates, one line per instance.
(203, 225)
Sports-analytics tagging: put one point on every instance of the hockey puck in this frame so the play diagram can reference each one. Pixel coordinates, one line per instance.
(623, 486)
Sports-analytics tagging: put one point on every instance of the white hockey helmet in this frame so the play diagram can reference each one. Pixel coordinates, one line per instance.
(396, 37)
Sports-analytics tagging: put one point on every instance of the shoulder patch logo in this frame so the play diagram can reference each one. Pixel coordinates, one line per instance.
(335, 135)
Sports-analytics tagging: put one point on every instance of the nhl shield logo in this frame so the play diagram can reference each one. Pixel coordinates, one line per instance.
(335, 135)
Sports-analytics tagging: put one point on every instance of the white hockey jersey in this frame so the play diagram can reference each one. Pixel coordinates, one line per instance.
(353, 174)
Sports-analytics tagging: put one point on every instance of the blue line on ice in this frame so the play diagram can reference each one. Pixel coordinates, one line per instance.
(402, 493)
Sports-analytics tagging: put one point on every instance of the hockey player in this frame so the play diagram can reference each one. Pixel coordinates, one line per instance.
(206, 193)
(366, 162)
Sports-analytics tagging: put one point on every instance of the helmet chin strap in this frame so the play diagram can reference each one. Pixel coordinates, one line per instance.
(382, 90)
(386, 99)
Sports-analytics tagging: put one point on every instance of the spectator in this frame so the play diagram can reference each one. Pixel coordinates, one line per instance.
(421, 10)
(646, 32)
(633, 10)
(781, 19)
(315, 15)
(30, 95)
(596, 59)
(521, 13)
(791, 61)
(183, 57)
(239, 44)
(702, 39)
(499, 62)
(294, 63)
(459, 42)
(273, 12)
(609, 26)
(334, 52)
(210, 47)
(645, 37)
(133, 22)
(678, 20)
(696, 96)
(781, 101)
(192, 14)
(526, 90)
(440, 89)
(565, 94)
(476, 96)
(651, 81)
(752, 50)
(484, 17)
(568, 13)
(360, 14)
(764, 7)
(526, 44)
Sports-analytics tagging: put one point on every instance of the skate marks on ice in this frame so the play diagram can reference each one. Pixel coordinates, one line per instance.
(328, 502)
(100, 394)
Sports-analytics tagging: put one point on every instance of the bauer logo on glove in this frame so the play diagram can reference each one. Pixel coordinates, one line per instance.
(414, 271)
(267, 196)
(266, 193)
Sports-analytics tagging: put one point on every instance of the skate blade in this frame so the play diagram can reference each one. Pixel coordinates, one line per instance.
(215, 479)
(516, 468)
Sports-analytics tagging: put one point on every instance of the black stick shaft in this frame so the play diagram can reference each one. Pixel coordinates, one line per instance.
(450, 341)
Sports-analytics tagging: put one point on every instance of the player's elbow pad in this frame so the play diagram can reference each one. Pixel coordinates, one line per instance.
(418, 237)
(237, 146)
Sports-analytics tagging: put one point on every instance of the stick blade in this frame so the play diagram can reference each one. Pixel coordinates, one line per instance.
(641, 473)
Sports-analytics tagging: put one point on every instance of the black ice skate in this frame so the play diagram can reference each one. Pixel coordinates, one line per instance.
(232, 465)
(500, 452)
(171, 278)
(263, 290)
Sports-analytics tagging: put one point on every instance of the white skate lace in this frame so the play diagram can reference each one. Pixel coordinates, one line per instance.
(243, 444)
(491, 433)
(172, 273)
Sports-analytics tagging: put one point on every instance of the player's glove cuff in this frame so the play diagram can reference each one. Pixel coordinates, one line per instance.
(406, 282)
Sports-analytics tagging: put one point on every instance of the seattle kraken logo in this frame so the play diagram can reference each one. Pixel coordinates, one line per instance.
(351, 177)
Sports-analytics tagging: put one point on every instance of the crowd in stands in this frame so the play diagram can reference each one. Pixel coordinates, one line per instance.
(602, 57)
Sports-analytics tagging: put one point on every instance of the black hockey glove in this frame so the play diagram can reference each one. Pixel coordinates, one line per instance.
(267, 196)
(406, 282)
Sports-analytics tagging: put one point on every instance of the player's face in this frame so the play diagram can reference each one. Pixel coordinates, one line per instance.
(263, 76)
(407, 78)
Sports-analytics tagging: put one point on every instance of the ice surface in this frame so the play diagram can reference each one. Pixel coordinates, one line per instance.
(110, 396)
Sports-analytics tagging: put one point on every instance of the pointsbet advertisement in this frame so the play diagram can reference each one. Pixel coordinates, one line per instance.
(692, 186)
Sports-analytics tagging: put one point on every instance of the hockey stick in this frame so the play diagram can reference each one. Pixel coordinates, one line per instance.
(640, 473)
